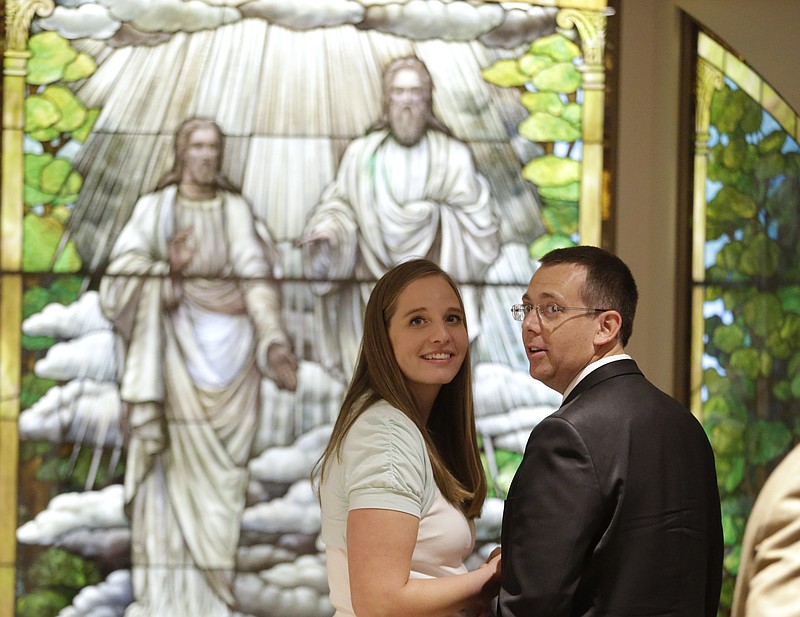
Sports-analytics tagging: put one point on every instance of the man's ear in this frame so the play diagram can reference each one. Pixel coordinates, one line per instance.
(610, 324)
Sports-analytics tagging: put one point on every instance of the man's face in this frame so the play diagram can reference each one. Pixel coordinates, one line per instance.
(558, 347)
(408, 107)
(201, 159)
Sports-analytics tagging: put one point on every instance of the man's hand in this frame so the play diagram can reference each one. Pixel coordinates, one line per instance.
(316, 237)
(282, 365)
(181, 250)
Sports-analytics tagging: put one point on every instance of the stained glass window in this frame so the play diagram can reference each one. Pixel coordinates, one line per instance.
(106, 107)
(746, 280)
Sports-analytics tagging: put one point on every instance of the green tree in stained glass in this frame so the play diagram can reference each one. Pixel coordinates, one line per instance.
(548, 81)
(54, 117)
(753, 305)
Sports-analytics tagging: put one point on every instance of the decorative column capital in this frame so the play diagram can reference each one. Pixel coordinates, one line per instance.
(591, 26)
(19, 15)
(709, 79)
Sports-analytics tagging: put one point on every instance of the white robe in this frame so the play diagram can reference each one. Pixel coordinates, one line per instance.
(190, 382)
(386, 204)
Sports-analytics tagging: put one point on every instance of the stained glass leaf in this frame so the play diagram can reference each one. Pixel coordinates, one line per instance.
(551, 170)
(728, 338)
(50, 53)
(531, 64)
(760, 256)
(548, 102)
(40, 113)
(746, 362)
(80, 68)
(545, 244)
(763, 313)
(505, 73)
(72, 111)
(772, 142)
(556, 46)
(768, 440)
(561, 77)
(561, 218)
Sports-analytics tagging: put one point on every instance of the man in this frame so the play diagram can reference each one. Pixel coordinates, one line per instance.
(190, 291)
(614, 510)
(407, 188)
(768, 583)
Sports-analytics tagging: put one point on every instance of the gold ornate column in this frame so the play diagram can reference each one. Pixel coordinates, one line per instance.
(19, 14)
(709, 79)
(591, 26)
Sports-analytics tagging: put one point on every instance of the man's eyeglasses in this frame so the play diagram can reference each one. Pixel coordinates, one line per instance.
(548, 312)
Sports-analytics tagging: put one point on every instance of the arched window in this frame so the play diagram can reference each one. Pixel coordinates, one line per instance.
(745, 278)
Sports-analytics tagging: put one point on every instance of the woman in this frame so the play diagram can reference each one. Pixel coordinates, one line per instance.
(401, 480)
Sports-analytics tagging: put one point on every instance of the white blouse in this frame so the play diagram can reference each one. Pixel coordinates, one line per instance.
(385, 464)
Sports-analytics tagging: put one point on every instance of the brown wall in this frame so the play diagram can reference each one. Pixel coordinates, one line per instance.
(766, 34)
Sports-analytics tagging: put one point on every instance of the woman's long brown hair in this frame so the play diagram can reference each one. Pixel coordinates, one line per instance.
(450, 431)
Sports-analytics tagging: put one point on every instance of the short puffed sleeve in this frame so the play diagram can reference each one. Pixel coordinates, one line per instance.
(386, 463)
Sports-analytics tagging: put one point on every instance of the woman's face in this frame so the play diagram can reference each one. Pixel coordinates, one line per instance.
(428, 336)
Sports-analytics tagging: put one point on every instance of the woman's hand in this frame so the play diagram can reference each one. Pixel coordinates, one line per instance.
(492, 586)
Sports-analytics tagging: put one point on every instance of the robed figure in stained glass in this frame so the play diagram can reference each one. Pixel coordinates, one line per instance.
(191, 293)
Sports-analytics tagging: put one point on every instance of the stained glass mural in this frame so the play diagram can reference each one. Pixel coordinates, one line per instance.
(746, 281)
(106, 107)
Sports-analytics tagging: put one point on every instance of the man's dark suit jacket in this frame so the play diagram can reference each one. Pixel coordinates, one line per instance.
(614, 510)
